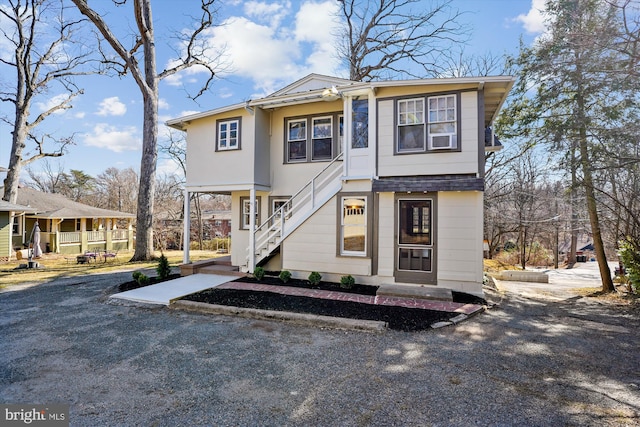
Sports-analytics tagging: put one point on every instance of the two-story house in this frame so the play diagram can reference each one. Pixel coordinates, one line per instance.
(379, 180)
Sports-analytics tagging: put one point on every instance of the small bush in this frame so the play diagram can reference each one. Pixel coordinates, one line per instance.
(258, 273)
(314, 278)
(163, 269)
(630, 256)
(347, 282)
(140, 278)
(285, 276)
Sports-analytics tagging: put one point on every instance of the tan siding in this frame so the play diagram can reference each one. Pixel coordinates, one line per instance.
(5, 234)
(460, 240)
(312, 247)
(386, 235)
(205, 166)
(464, 162)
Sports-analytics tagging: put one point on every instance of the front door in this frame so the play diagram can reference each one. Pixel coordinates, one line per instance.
(415, 239)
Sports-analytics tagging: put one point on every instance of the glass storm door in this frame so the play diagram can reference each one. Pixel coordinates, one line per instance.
(415, 252)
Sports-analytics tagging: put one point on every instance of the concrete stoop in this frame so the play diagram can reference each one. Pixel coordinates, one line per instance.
(221, 265)
(522, 276)
(417, 292)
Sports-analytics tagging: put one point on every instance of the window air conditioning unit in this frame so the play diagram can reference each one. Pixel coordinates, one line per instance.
(442, 141)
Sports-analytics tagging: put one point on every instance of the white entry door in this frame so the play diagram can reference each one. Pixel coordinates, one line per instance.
(360, 142)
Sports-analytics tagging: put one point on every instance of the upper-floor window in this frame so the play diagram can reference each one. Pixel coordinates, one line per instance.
(419, 131)
(228, 134)
(411, 135)
(297, 140)
(312, 139)
(360, 123)
(322, 138)
(442, 122)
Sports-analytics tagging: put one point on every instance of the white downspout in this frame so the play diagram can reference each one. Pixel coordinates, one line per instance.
(186, 222)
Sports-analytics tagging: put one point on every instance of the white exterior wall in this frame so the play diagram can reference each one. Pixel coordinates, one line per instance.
(240, 237)
(312, 247)
(386, 236)
(459, 241)
(434, 163)
(287, 179)
(206, 167)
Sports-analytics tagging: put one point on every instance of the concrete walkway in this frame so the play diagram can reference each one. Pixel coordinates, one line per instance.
(164, 293)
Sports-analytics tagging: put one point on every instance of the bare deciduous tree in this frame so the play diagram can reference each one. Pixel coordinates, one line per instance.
(143, 51)
(397, 37)
(41, 60)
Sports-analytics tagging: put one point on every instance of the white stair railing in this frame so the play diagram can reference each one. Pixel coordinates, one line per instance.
(296, 210)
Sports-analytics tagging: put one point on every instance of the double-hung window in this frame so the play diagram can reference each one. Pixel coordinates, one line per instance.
(228, 135)
(297, 140)
(427, 124)
(442, 122)
(322, 138)
(411, 131)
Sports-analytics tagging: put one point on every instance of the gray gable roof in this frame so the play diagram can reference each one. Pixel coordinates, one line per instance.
(52, 205)
(10, 207)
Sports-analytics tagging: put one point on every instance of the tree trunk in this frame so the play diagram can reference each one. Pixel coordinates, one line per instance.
(146, 192)
(592, 208)
(15, 160)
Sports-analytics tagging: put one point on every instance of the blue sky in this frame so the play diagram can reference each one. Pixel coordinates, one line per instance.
(268, 44)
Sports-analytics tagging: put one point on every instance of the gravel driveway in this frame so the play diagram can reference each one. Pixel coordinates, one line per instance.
(527, 362)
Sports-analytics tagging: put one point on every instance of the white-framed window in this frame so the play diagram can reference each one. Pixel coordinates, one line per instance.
(411, 126)
(245, 212)
(442, 122)
(321, 138)
(340, 133)
(297, 140)
(16, 229)
(353, 226)
(228, 135)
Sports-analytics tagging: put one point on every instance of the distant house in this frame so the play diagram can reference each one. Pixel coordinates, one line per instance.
(70, 227)
(379, 180)
(10, 218)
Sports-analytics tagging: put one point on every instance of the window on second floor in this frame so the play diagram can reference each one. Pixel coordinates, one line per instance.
(427, 124)
(313, 138)
(228, 134)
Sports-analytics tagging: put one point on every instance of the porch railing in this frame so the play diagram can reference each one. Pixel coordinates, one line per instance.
(119, 234)
(96, 236)
(70, 237)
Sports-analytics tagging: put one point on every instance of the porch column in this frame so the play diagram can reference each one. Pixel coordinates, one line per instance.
(108, 235)
(186, 222)
(252, 229)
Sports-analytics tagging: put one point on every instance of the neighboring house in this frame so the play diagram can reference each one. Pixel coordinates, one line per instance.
(10, 219)
(169, 227)
(380, 180)
(70, 227)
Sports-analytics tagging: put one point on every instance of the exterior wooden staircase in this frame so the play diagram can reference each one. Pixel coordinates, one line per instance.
(311, 197)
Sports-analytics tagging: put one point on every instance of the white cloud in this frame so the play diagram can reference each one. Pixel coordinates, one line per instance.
(534, 21)
(80, 115)
(163, 104)
(114, 139)
(268, 12)
(53, 102)
(112, 107)
(270, 50)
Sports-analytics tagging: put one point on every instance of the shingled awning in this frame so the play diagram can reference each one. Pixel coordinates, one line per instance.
(428, 183)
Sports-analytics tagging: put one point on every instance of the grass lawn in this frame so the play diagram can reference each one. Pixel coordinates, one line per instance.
(52, 266)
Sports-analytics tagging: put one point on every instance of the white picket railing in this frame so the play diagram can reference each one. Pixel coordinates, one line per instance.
(296, 210)
(70, 237)
(96, 236)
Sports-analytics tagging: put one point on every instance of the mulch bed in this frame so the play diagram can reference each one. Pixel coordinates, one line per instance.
(400, 318)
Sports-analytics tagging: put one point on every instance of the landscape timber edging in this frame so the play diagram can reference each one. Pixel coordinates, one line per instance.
(298, 318)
